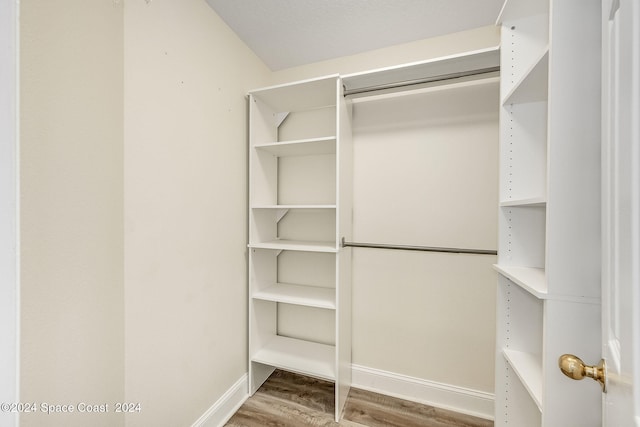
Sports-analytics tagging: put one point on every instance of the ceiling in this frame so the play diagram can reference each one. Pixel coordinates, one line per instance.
(288, 33)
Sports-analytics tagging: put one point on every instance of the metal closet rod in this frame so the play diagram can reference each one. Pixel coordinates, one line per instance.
(419, 248)
(432, 79)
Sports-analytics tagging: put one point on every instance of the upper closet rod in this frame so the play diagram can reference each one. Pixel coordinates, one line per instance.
(431, 79)
(419, 248)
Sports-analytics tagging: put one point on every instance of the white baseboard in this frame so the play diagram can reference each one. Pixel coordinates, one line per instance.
(224, 408)
(446, 396)
(463, 400)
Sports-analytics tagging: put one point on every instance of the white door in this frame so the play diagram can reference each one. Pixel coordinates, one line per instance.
(621, 212)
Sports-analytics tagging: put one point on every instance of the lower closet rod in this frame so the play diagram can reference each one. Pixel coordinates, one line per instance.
(419, 248)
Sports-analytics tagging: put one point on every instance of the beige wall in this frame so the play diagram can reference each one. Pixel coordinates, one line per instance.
(72, 311)
(426, 173)
(186, 75)
(175, 99)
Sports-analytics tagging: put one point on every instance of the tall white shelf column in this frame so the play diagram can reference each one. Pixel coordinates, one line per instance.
(549, 214)
(300, 163)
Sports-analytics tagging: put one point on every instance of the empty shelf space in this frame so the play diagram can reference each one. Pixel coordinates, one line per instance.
(529, 201)
(533, 85)
(531, 279)
(303, 357)
(301, 147)
(296, 245)
(515, 9)
(528, 368)
(311, 296)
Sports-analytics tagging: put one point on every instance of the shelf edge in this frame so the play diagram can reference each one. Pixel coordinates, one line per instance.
(512, 273)
(289, 245)
(325, 303)
(525, 202)
(328, 207)
(268, 145)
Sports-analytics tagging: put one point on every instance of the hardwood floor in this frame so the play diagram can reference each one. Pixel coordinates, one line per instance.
(291, 400)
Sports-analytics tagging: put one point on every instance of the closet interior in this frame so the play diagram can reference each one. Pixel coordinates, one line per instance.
(302, 221)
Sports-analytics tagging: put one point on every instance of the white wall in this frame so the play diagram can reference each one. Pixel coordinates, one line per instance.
(9, 285)
(186, 76)
(72, 299)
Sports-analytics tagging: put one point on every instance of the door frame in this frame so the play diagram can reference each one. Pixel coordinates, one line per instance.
(622, 401)
(9, 210)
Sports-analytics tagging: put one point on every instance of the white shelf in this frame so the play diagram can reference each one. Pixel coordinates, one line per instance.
(303, 357)
(424, 70)
(525, 202)
(533, 85)
(301, 147)
(528, 368)
(296, 245)
(531, 279)
(276, 207)
(311, 296)
(300, 96)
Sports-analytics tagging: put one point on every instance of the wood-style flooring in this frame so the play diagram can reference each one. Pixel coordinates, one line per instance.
(291, 400)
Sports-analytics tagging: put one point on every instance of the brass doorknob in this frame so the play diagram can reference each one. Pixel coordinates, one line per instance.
(573, 367)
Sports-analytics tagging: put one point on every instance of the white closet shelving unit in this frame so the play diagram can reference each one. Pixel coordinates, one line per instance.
(300, 163)
(549, 213)
(300, 209)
